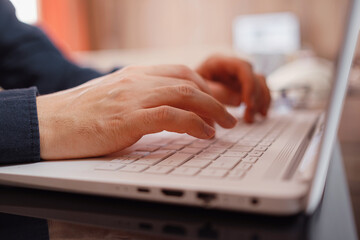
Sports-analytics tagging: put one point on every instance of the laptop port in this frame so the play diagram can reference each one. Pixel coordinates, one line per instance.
(206, 197)
(174, 230)
(172, 193)
(146, 226)
(254, 201)
(143, 190)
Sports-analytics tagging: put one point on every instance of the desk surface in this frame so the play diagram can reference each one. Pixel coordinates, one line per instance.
(91, 217)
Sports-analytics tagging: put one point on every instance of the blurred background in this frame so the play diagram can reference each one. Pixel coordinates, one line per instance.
(87, 25)
(293, 42)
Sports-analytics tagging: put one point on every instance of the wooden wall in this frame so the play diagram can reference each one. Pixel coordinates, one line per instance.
(159, 23)
(114, 24)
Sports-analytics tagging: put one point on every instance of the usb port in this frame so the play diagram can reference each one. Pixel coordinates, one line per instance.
(206, 197)
(173, 193)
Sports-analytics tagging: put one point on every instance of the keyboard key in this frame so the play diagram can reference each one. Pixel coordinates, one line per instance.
(182, 142)
(154, 157)
(147, 148)
(269, 139)
(163, 151)
(225, 162)
(241, 148)
(137, 153)
(249, 159)
(213, 172)
(212, 149)
(205, 140)
(232, 139)
(260, 148)
(160, 143)
(159, 169)
(248, 140)
(265, 143)
(236, 173)
(110, 166)
(243, 165)
(196, 162)
(248, 143)
(149, 162)
(200, 144)
(173, 147)
(185, 171)
(177, 159)
(206, 155)
(132, 156)
(134, 168)
(255, 153)
(191, 150)
(230, 153)
(122, 160)
(222, 144)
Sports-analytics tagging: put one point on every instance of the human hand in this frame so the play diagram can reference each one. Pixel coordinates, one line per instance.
(110, 113)
(232, 81)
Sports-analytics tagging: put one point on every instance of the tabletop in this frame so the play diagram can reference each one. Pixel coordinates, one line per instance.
(25, 211)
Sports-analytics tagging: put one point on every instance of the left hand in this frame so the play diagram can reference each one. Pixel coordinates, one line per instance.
(232, 81)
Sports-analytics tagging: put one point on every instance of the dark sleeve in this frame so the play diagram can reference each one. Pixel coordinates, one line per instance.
(19, 131)
(28, 58)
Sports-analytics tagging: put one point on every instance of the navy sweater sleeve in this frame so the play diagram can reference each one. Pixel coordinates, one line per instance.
(19, 131)
(29, 63)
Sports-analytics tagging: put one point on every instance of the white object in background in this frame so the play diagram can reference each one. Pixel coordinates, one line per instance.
(275, 33)
(26, 10)
(314, 74)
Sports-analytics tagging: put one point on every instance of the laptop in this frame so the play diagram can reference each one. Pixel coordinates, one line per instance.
(277, 166)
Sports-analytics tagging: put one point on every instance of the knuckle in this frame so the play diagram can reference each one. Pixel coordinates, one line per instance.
(246, 64)
(221, 109)
(127, 79)
(261, 77)
(185, 90)
(194, 85)
(193, 118)
(163, 113)
(249, 65)
(147, 118)
(184, 71)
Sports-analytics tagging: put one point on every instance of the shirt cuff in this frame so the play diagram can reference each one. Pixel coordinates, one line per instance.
(19, 128)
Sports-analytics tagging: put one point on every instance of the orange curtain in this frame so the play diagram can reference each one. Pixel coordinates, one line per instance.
(66, 22)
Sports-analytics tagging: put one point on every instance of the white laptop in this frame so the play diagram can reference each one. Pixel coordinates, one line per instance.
(277, 166)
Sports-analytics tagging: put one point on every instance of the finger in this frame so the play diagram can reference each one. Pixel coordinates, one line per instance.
(258, 96)
(153, 120)
(224, 94)
(265, 95)
(189, 98)
(209, 121)
(177, 71)
(248, 82)
(235, 74)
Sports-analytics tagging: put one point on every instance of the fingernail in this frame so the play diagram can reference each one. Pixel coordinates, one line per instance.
(231, 119)
(209, 131)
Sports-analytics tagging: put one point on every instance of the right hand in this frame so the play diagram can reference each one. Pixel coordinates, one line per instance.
(111, 113)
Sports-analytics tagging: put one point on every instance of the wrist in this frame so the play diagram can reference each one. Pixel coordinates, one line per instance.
(46, 129)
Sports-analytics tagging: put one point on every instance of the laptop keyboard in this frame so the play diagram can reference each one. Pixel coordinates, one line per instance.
(232, 154)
